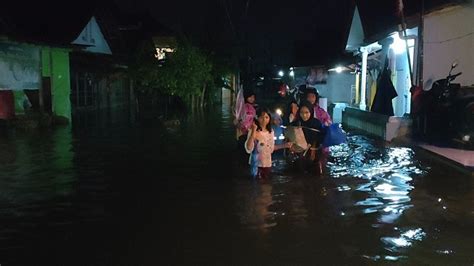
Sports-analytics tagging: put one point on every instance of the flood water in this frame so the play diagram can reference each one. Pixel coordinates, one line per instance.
(116, 192)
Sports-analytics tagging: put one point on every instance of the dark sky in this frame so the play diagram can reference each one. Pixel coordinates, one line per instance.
(277, 32)
(290, 32)
(286, 33)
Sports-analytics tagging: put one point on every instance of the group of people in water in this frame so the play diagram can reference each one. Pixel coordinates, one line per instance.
(257, 128)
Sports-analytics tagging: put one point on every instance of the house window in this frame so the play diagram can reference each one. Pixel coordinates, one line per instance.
(162, 52)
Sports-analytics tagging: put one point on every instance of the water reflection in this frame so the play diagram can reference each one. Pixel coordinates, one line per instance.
(148, 194)
(364, 178)
(254, 200)
(382, 186)
(24, 178)
(37, 180)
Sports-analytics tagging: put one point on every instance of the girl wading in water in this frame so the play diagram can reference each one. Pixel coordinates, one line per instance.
(260, 144)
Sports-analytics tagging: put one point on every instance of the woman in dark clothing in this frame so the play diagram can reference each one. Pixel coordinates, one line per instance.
(312, 127)
(313, 133)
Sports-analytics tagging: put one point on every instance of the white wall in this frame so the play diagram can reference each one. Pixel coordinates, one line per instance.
(449, 36)
(338, 87)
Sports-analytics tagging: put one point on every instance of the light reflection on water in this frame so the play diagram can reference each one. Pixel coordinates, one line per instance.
(368, 183)
(384, 182)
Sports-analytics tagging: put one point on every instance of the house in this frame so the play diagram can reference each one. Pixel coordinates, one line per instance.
(383, 44)
(35, 58)
(449, 36)
(71, 62)
(100, 74)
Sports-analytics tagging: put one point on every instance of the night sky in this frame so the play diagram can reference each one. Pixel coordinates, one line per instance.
(282, 33)
(297, 32)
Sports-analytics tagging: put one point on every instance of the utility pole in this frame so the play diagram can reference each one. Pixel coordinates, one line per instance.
(40, 83)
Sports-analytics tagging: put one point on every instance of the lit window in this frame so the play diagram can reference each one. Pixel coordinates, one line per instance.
(161, 52)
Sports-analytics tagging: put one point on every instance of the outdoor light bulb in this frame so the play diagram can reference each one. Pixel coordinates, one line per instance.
(338, 69)
(466, 138)
(281, 73)
(398, 44)
(279, 112)
(292, 73)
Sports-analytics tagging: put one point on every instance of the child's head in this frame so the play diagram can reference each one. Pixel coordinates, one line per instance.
(276, 119)
(249, 97)
(264, 119)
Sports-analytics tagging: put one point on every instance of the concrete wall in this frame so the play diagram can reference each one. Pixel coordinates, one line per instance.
(449, 37)
(371, 123)
(377, 125)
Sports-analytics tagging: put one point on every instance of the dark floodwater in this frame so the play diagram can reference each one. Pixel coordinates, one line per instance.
(113, 192)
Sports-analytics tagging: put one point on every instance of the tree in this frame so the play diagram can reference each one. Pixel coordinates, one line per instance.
(187, 73)
(144, 67)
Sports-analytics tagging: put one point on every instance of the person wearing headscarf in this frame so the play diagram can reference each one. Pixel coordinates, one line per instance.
(312, 127)
(312, 96)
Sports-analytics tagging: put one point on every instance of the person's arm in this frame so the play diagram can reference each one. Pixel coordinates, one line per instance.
(327, 118)
(291, 118)
(286, 145)
(328, 121)
(250, 142)
(312, 151)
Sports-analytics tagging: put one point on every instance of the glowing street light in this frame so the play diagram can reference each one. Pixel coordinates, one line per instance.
(398, 44)
(338, 69)
(281, 73)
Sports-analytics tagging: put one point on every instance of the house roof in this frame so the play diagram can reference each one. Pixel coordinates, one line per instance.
(379, 18)
(124, 31)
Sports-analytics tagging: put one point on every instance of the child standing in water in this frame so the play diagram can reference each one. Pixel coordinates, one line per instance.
(245, 124)
(260, 144)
